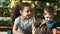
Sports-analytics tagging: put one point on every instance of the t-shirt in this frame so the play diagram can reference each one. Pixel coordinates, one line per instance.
(22, 26)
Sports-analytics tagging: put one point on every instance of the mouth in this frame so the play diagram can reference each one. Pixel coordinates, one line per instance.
(28, 15)
(50, 20)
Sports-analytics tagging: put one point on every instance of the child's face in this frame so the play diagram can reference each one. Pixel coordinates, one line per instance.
(48, 17)
(26, 12)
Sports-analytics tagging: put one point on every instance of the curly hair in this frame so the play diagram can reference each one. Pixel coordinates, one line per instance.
(50, 10)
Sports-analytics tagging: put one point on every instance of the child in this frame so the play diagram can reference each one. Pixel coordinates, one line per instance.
(49, 15)
(48, 24)
(22, 19)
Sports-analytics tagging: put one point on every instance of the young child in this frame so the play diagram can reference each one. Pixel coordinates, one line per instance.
(22, 19)
(48, 22)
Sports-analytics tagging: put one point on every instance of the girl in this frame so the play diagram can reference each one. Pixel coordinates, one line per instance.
(22, 19)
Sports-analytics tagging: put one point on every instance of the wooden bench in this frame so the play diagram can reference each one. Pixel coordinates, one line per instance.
(6, 29)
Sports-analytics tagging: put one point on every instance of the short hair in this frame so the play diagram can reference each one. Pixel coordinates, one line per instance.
(50, 9)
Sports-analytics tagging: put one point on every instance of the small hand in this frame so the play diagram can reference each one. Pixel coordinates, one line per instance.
(44, 22)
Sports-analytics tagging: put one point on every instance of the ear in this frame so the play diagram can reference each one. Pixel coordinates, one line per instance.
(44, 15)
(20, 11)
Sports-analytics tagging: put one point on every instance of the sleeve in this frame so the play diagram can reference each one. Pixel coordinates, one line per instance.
(16, 21)
(32, 21)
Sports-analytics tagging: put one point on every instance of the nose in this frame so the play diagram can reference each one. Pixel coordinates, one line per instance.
(29, 12)
(49, 19)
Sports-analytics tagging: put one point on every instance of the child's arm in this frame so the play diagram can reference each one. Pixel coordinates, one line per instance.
(54, 31)
(33, 29)
(15, 27)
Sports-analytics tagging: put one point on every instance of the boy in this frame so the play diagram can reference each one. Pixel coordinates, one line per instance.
(49, 15)
(47, 25)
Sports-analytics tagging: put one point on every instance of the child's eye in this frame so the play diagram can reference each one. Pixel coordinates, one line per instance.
(47, 17)
(29, 11)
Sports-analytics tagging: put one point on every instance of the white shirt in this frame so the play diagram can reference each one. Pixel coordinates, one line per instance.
(23, 25)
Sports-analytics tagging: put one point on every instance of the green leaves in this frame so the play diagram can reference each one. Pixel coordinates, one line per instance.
(5, 22)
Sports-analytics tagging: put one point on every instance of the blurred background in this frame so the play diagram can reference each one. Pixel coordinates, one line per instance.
(7, 6)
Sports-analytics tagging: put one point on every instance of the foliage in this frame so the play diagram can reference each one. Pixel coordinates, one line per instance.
(5, 21)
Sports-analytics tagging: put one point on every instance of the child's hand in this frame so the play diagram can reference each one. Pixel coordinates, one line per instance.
(44, 22)
(33, 29)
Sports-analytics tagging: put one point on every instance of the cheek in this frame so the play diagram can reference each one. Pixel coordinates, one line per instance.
(46, 18)
(50, 19)
(24, 14)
